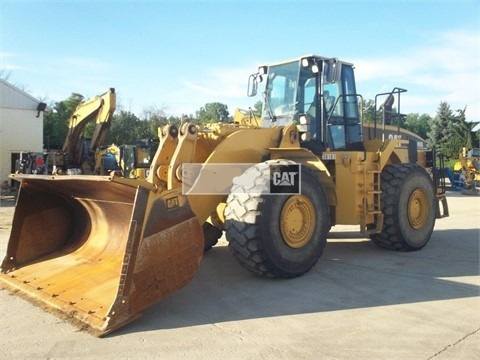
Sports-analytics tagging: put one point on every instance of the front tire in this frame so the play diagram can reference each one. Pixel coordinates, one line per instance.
(408, 204)
(276, 235)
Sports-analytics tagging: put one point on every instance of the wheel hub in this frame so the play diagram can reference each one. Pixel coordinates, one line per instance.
(297, 221)
(418, 209)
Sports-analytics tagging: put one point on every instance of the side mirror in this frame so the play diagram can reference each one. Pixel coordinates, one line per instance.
(331, 71)
(253, 81)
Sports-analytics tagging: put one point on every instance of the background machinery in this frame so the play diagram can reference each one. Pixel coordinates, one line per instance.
(31, 163)
(78, 155)
(468, 170)
(275, 190)
(135, 160)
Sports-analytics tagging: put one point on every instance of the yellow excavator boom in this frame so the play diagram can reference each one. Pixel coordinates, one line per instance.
(99, 108)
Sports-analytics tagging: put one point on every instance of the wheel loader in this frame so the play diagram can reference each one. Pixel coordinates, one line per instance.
(97, 250)
(468, 168)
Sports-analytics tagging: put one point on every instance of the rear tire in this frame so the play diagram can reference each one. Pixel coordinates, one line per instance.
(408, 204)
(276, 235)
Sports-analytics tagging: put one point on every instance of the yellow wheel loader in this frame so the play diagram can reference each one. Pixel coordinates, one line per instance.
(97, 250)
(135, 160)
(469, 167)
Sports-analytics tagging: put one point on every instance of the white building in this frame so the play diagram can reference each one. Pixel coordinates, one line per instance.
(21, 127)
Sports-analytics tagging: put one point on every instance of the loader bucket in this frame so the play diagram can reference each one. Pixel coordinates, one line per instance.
(97, 251)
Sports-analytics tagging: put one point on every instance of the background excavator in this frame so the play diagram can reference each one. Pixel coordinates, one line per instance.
(81, 155)
(78, 155)
(97, 250)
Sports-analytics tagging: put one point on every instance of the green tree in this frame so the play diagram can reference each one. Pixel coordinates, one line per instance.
(55, 122)
(257, 108)
(462, 134)
(368, 111)
(440, 130)
(213, 112)
(155, 118)
(418, 124)
(175, 120)
(372, 112)
(450, 131)
(127, 128)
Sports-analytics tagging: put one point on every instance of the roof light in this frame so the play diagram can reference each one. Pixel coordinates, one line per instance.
(262, 70)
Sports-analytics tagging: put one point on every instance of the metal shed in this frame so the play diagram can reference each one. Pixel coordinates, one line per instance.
(21, 127)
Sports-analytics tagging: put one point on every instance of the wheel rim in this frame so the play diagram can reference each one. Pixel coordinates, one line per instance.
(418, 209)
(297, 221)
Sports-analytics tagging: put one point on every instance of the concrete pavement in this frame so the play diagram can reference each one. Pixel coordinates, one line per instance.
(359, 302)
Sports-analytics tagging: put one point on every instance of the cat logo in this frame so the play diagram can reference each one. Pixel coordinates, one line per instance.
(172, 202)
(280, 178)
(285, 179)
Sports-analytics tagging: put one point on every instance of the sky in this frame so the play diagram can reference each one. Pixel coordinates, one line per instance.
(177, 56)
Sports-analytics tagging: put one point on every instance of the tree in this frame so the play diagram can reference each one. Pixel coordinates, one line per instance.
(155, 118)
(418, 124)
(55, 122)
(450, 132)
(213, 112)
(127, 128)
(372, 112)
(438, 136)
(462, 135)
(257, 108)
(368, 111)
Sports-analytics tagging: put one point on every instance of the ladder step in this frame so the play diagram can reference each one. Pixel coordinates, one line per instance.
(374, 191)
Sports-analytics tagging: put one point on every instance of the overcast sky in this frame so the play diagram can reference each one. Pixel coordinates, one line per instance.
(178, 56)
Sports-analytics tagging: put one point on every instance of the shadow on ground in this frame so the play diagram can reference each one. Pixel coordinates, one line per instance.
(351, 274)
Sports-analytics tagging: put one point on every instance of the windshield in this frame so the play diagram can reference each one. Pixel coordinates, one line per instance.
(280, 93)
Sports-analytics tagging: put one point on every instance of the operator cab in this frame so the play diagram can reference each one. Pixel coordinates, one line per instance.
(316, 93)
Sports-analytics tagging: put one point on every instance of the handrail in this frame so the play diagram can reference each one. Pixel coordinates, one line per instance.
(388, 102)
